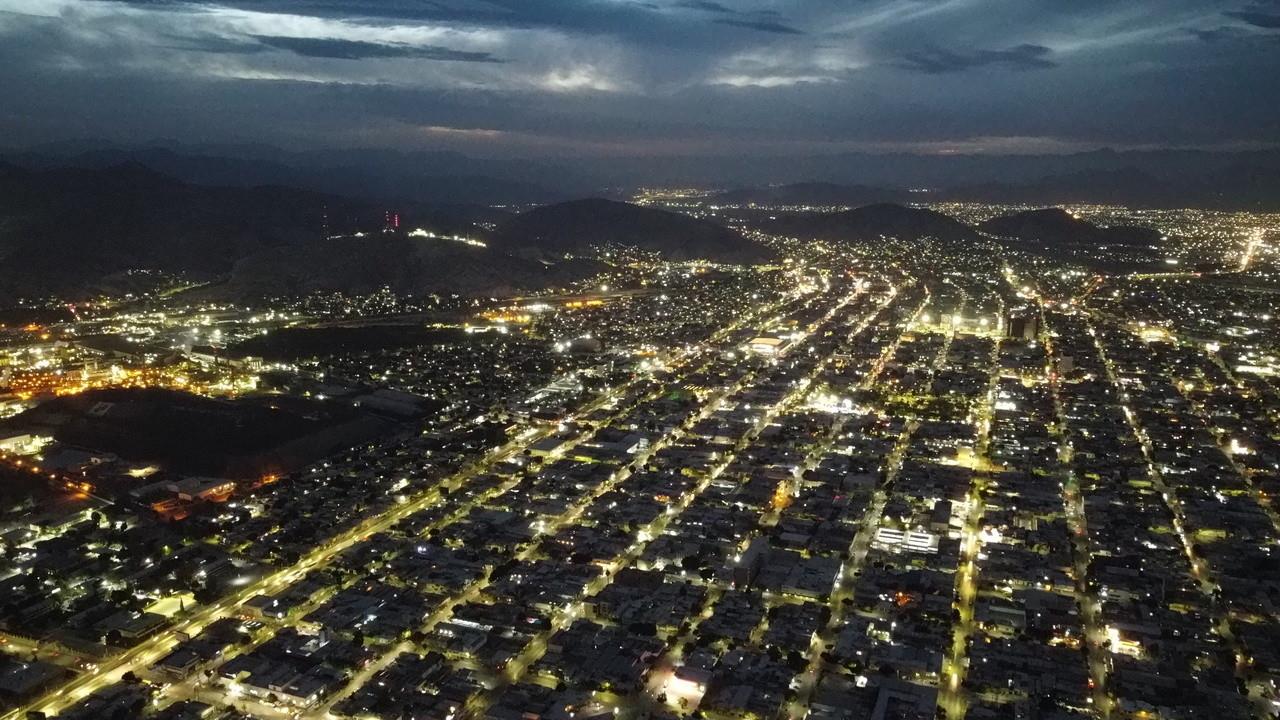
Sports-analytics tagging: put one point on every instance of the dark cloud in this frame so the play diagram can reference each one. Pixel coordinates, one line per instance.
(769, 21)
(1218, 34)
(217, 44)
(1257, 18)
(642, 20)
(936, 61)
(338, 49)
(705, 5)
(769, 26)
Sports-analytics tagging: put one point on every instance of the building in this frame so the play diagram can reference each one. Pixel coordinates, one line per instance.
(766, 345)
(1021, 326)
(895, 540)
(204, 488)
(748, 564)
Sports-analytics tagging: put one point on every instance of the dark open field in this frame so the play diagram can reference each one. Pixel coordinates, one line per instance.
(196, 435)
(296, 343)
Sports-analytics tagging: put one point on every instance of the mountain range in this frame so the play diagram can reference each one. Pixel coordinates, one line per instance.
(1246, 180)
(72, 232)
(1243, 187)
(382, 175)
(66, 229)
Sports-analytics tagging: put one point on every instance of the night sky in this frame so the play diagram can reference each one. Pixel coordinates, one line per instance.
(645, 77)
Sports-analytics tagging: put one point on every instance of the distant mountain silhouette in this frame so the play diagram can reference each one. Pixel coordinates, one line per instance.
(810, 193)
(1171, 178)
(1124, 185)
(1245, 186)
(577, 226)
(1241, 187)
(873, 222)
(386, 176)
(1055, 226)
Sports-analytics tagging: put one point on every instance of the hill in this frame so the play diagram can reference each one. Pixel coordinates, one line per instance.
(405, 264)
(579, 225)
(1055, 226)
(76, 231)
(873, 222)
(62, 229)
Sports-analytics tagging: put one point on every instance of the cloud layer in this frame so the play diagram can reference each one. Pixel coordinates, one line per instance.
(644, 77)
